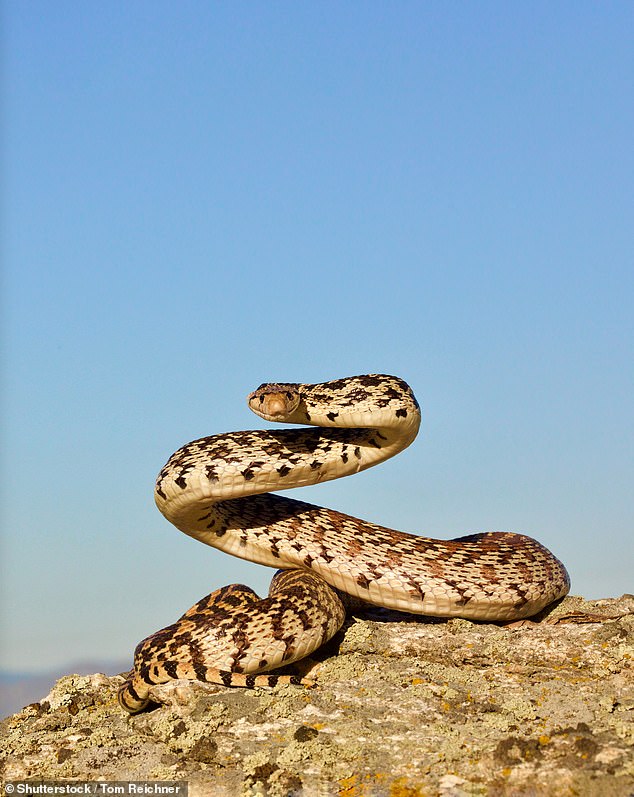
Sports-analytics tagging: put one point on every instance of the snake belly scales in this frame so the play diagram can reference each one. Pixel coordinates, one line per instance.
(217, 490)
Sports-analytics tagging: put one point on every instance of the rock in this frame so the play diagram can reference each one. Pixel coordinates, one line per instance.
(403, 706)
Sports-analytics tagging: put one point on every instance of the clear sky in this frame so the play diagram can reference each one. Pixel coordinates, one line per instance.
(201, 196)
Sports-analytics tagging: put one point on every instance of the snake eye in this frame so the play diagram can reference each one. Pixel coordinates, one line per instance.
(261, 399)
(289, 396)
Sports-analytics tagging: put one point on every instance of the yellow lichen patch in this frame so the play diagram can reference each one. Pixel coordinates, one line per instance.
(402, 788)
(348, 787)
(544, 740)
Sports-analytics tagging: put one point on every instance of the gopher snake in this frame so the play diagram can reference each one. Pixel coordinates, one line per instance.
(217, 490)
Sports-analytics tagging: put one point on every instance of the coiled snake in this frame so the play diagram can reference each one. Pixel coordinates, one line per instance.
(217, 490)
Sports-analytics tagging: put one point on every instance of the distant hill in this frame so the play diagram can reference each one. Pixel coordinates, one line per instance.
(19, 689)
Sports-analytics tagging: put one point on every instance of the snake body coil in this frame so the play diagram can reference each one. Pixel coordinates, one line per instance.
(217, 490)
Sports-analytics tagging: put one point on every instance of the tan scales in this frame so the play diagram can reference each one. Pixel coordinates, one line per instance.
(217, 490)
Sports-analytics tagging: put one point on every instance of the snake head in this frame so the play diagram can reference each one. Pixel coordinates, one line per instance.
(274, 401)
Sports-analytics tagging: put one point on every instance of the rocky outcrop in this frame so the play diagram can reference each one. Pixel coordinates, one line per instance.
(403, 706)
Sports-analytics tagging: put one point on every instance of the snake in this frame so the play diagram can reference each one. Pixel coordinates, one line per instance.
(221, 489)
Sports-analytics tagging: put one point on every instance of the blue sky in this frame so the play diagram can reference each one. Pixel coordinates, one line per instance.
(199, 197)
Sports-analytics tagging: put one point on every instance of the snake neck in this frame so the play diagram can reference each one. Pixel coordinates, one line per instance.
(362, 429)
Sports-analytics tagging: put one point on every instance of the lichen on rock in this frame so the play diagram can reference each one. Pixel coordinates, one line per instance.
(403, 706)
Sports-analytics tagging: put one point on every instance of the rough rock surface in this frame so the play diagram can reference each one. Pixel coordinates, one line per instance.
(403, 706)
